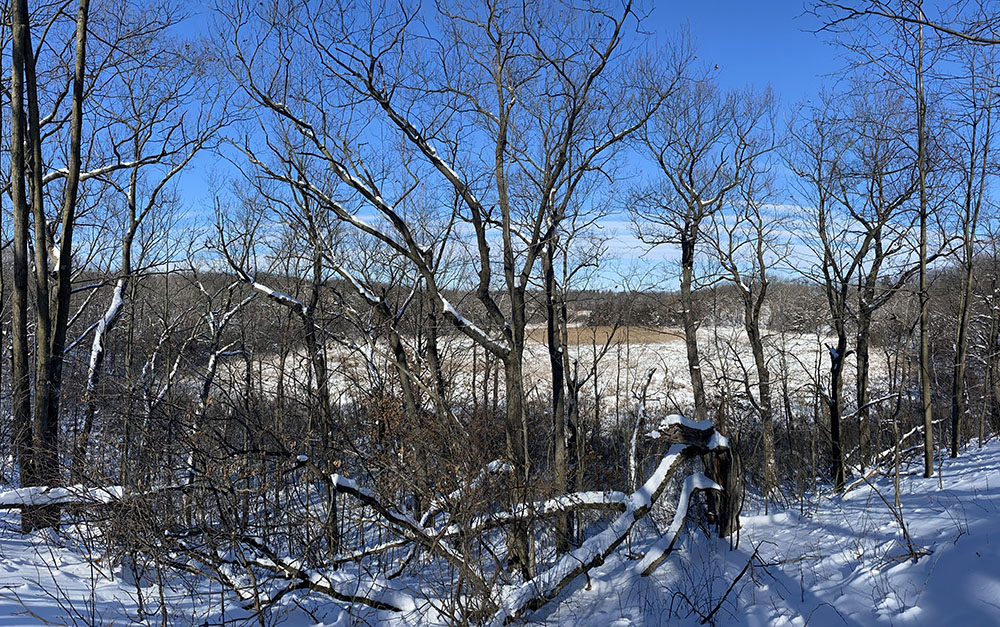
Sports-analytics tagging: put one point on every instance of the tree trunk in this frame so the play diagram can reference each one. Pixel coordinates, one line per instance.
(835, 404)
(764, 393)
(555, 326)
(992, 362)
(691, 322)
(45, 433)
(20, 375)
(516, 428)
(925, 351)
(961, 347)
(863, 360)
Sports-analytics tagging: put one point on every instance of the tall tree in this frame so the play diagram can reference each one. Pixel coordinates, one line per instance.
(975, 163)
(51, 309)
(817, 155)
(456, 110)
(748, 241)
(691, 143)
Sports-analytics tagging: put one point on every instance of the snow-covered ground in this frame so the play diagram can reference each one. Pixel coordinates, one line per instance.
(837, 560)
(797, 358)
(843, 560)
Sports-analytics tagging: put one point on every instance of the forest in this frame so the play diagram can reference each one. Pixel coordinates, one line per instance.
(388, 312)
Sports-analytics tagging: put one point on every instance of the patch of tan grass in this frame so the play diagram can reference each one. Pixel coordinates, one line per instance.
(587, 335)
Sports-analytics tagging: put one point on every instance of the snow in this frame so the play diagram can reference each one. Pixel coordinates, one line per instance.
(696, 481)
(279, 296)
(473, 330)
(674, 419)
(716, 441)
(438, 505)
(839, 560)
(832, 560)
(596, 548)
(55, 496)
(363, 291)
(341, 482)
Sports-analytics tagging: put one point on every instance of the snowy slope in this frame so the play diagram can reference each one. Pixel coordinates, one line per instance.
(835, 561)
(841, 562)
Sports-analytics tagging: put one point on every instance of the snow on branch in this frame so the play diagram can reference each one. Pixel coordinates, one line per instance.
(654, 557)
(499, 349)
(888, 453)
(566, 503)
(403, 522)
(280, 297)
(439, 504)
(373, 592)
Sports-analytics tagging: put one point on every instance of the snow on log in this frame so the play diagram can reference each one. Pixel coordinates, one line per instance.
(701, 433)
(693, 438)
(35, 496)
(661, 550)
(532, 594)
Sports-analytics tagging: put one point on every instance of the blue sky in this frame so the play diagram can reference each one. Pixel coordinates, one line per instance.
(755, 42)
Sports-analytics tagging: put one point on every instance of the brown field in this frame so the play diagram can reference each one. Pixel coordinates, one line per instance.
(587, 335)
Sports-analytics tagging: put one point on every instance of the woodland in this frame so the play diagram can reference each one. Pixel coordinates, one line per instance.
(321, 300)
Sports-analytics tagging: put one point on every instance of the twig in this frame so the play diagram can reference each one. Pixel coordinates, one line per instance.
(731, 586)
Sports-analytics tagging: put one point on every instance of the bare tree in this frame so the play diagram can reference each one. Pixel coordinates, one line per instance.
(895, 42)
(174, 114)
(748, 241)
(52, 310)
(690, 141)
(975, 163)
(972, 22)
(878, 196)
(818, 146)
(467, 98)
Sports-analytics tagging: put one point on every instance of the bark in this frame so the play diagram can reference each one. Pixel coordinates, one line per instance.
(688, 240)
(96, 367)
(20, 375)
(412, 409)
(44, 434)
(974, 193)
(752, 324)
(862, 381)
(50, 335)
(992, 364)
(555, 326)
(925, 352)
(516, 428)
(958, 403)
(835, 404)
(434, 356)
